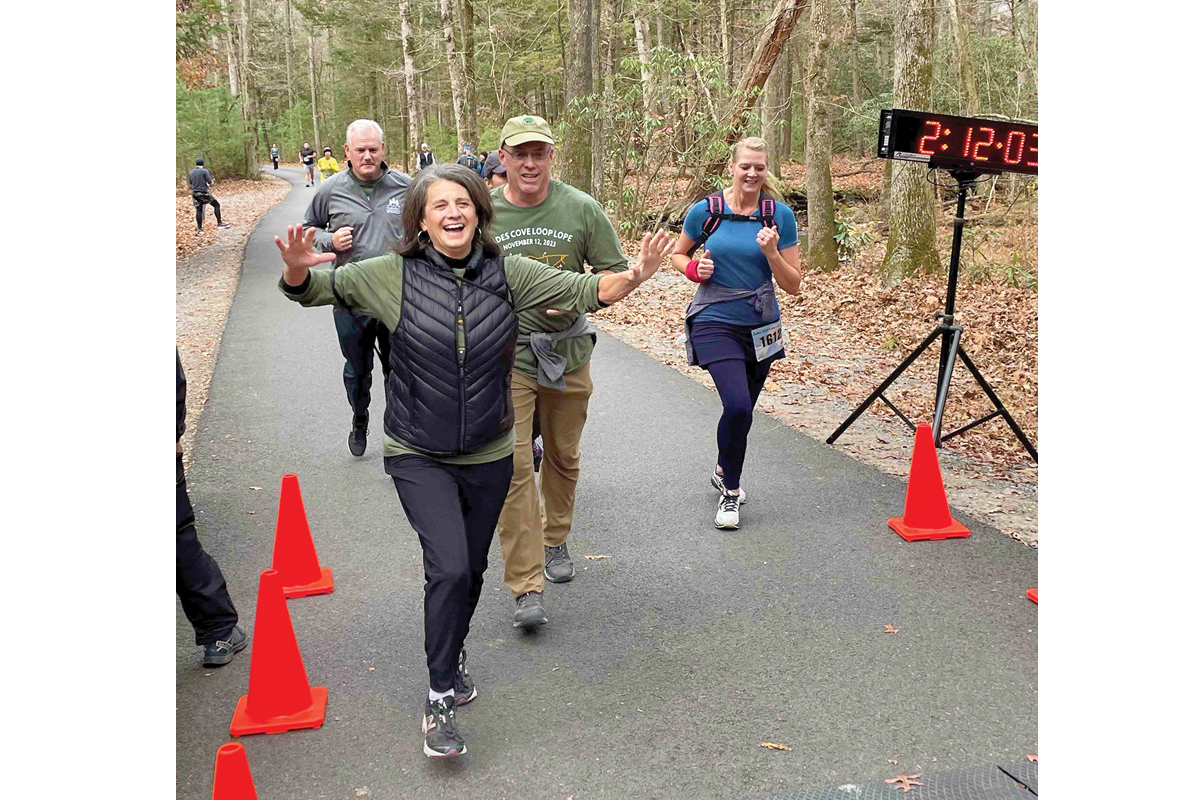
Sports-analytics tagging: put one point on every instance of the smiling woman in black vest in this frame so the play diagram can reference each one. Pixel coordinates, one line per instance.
(454, 305)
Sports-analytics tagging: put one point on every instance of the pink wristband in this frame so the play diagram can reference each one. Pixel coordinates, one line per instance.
(690, 271)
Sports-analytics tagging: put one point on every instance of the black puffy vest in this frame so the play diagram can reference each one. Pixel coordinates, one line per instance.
(439, 401)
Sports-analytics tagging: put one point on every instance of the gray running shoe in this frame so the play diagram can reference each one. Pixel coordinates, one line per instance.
(442, 739)
(531, 611)
(464, 685)
(718, 483)
(727, 511)
(218, 654)
(559, 568)
(358, 434)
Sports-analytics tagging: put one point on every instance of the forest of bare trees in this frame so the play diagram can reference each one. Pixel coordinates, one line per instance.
(645, 96)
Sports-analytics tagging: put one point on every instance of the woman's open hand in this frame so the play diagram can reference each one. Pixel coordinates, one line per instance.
(298, 254)
(654, 248)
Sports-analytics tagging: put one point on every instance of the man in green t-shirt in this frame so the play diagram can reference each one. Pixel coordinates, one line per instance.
(561, 226)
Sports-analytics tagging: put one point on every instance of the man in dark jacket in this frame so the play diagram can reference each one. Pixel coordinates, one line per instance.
(198, 580)
(200, 180)
(425, 157)
(357, 216)
(469, 160)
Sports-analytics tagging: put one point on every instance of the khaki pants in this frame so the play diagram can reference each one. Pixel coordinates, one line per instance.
(531, 518)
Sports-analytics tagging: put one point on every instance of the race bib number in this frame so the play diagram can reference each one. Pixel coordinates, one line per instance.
(768, 340)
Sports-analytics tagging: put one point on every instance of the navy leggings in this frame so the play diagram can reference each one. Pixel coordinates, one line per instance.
(738, 382)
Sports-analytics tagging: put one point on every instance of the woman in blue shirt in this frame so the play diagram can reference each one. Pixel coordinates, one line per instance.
(733, 325)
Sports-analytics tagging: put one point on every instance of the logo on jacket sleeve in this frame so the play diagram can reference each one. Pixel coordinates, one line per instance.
(394, 206)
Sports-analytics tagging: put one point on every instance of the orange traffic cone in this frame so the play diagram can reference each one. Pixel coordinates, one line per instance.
(1031, 594)
(926, 512)
(280, 698)
(295, 557)
(231, 777)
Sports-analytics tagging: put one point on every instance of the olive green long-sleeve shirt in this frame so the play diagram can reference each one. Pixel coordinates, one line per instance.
(375, 286)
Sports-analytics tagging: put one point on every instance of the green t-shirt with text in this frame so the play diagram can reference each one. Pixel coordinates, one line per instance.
(566, 230)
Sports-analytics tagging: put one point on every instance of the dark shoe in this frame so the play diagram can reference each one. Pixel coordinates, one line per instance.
(442, 739)
(559, 568)
(218, 654)
(464, 685)
(718, 482)
(224, 224)
(531, 611)
(537, 456)
(358, 434)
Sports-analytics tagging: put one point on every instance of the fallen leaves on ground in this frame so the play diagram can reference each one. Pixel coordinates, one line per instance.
(774, 746)
(893, 761)
(890, 629)
(596, 558)
(1033, 758)
(905, 781)
(242, 203)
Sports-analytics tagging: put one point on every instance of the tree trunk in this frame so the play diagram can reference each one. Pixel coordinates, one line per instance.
(798, 50)
(249, 90)
(774, 38)
(411, 90)
(854, 54)
(966, 64)
(468, 30)
(575, 152)
(818, 148)
(235, 85)
(456, 77)
(785, 152)
(312, 84)
(772, 113)
(912, 239)
(604, 83)
(291, 46)
(641, 30)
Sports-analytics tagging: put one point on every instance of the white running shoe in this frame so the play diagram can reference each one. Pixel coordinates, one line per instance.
(718, 483)
(727, 511)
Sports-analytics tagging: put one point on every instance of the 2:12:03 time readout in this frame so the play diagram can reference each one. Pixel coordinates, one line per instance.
(983, 144)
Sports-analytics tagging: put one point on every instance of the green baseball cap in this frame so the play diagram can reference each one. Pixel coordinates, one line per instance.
(526, 128)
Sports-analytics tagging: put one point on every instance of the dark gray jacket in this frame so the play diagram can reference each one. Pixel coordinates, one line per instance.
(200, 179)
(341, 201)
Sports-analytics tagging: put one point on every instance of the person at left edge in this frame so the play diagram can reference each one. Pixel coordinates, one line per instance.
(454, 304)
(327, 165)
(357, 214)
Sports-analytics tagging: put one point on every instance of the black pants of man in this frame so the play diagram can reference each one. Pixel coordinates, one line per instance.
(454, 510)
(198, 580)
(357, 334)
(198, 200)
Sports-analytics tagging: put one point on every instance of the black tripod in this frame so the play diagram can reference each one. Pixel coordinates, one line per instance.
(951, 335)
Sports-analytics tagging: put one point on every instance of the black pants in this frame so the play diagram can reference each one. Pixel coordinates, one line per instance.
(198, 200)
(198, 580)
(275, 161)
(738, 383)
(357, 334)
(454, 511)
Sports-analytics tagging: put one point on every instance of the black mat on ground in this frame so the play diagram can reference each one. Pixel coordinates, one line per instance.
(990, 782)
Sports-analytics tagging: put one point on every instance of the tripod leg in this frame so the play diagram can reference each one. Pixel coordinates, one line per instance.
(1012, 423)
(883, 386)
(944, 375)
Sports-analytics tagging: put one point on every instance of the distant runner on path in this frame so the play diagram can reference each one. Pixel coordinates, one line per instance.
(425, 157)
(200, 180)
(275, 155)
(308, 157)
(357, 215)
(328, 165)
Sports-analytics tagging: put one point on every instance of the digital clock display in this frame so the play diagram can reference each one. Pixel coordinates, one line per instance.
(940, 140)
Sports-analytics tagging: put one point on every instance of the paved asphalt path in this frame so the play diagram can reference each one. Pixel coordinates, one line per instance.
(665, 665)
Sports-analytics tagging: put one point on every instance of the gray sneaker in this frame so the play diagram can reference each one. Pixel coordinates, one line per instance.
(531, 611)
(218, 654)
(464, 684)
(718, 482)
(559, 568)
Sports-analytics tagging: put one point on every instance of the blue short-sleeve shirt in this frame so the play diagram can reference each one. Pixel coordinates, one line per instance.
(738, 261)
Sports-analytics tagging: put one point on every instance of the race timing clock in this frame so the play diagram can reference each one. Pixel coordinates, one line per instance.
(964, 143)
